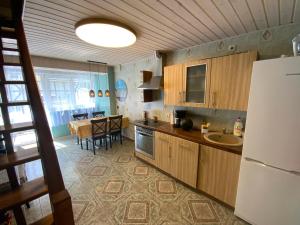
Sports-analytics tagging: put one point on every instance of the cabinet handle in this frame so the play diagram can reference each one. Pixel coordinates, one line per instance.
(170, 152)
(180, 98)
(214, 99)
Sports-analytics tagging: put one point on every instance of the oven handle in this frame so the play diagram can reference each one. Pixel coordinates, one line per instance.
(144, 134)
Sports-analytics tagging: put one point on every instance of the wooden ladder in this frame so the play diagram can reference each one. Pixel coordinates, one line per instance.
(52, 182)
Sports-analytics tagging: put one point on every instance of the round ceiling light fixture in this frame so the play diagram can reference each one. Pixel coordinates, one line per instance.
(105, 33)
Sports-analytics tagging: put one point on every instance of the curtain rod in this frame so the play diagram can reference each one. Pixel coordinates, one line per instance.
(91, 61)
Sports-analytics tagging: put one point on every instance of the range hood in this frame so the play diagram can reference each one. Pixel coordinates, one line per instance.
(155, 82)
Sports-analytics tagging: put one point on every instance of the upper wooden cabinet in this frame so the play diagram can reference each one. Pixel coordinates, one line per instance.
(230, 81)
(196, 81)
(220, 83)
(173, 84)
(219, 173)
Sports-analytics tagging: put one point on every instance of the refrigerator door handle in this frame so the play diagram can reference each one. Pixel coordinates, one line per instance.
(297, 173)
(255, 161)
(292, 74)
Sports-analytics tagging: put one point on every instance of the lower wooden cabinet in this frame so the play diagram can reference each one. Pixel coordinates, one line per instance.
(177, 157)
(186, 156)
(219, 173)
(163, 152)
(208, 169)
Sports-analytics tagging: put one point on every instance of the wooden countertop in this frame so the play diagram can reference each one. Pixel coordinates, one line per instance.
(193, 135)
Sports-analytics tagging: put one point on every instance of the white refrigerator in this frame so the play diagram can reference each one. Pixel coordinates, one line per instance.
(269, 182)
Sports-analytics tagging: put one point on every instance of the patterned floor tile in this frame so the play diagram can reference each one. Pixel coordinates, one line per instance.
(141, 170)
(165, 187)
(137, 212)
(202, 211)
(113, 187)
(124, 159)
(97, 171)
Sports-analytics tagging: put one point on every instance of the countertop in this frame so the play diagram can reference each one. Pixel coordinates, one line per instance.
(193, 135)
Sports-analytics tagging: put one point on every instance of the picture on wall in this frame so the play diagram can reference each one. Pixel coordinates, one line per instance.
(121, 90)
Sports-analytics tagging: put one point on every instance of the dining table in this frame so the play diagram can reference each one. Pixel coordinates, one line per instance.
(83, 128)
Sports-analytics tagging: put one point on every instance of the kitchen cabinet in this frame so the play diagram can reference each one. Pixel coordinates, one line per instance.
(163, 152)
(230, 81)
(218, 83)
(173, 84)
(178, 157)
(186, 160)
(196, 83)
(218, 173)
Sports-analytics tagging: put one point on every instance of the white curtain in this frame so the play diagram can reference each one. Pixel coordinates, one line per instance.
(65, 92)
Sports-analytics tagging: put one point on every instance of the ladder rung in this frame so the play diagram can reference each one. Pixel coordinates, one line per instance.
(13, 82)
(8, 33)
(26, 192)
(47, 220)
(15, 103)
(10, 49)
(19, 157)
(17, 127)
(11, 64)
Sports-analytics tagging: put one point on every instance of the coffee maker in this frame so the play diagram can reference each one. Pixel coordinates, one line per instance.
(178, 116)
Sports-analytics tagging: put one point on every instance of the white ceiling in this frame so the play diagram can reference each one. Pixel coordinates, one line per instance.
(160, 24)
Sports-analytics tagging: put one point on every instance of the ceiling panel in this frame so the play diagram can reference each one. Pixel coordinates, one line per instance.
(165, 25)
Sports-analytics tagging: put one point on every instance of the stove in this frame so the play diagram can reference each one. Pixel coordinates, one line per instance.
(150, 124)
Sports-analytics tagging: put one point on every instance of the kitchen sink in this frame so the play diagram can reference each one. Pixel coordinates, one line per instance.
(223, 139)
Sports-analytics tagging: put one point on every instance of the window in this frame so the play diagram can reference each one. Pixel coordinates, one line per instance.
(63, 92)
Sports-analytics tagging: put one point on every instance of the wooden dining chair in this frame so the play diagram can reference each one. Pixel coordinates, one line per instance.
(81, 116)
(115, 128)
(99, 132)
(98, 114)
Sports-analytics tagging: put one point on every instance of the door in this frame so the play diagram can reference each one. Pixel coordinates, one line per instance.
(267, 196)
(185, 157)
(196, 78)
(272, 131)
(173, 84)
(219, 173)
(230, 81)
(163, 151)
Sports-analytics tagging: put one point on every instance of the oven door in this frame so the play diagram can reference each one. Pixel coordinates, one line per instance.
(144, 144)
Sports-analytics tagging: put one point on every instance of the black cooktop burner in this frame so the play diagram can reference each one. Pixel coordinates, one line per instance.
(150, 123)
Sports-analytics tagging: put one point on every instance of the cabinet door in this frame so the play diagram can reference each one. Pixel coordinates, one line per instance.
(196, 85)
(163, 148)
(230, 81)
(218, 173)
(173, 84)
(185, 155)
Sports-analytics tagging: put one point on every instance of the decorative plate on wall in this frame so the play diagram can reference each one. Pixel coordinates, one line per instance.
(121, 90)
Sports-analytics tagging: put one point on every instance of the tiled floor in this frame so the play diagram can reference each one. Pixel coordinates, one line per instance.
(114, 187)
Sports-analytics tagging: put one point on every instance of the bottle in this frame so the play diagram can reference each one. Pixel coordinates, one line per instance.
(238, 127)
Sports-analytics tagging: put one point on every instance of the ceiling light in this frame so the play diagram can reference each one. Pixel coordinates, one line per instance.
(105, 33)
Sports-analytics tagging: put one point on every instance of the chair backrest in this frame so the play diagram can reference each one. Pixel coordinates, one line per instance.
(99, 127)
(98, 114)
(115, 123)
(80, 116)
